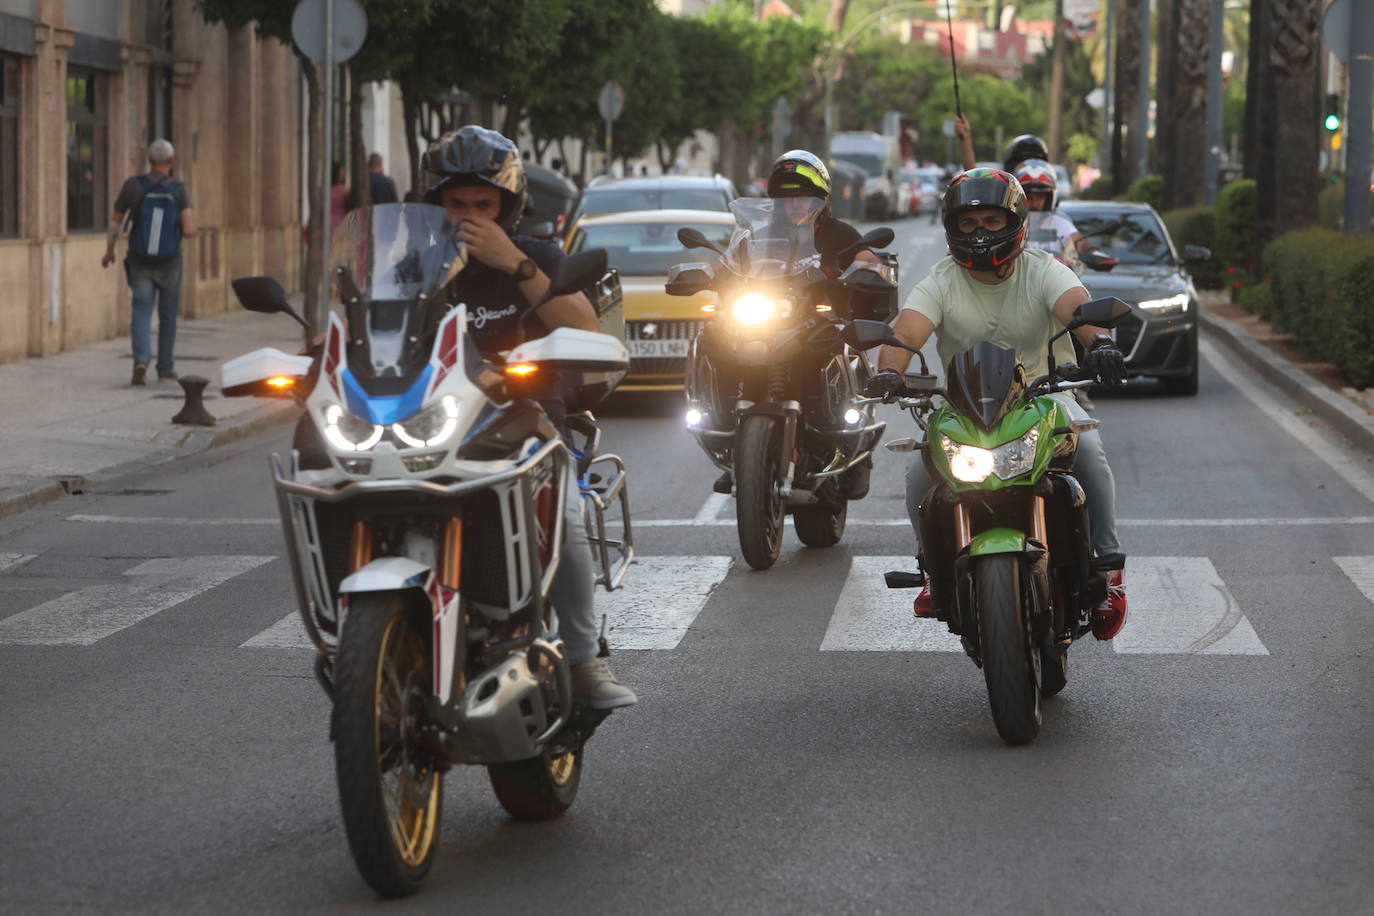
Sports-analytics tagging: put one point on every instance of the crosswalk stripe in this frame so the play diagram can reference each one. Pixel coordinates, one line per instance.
(90, 614)
(661, 598)
(870, 617)
(1180, 606)
(1360, 570)
(11, 560)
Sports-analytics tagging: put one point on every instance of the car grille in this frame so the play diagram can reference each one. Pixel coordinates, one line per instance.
(663, 330)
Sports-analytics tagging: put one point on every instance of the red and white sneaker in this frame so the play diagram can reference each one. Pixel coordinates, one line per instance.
(1110, 616)
(923, 606)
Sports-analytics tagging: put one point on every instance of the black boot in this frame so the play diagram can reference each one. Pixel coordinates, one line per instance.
(725, 483)
(854, 482)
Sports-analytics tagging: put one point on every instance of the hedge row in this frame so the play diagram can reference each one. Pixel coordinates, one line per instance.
(1197, 226)
(1321, 291)
(1227, 229)
(1147, 190)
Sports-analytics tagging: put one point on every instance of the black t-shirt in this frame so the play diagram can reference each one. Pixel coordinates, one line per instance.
(495, 304)
(832, 236)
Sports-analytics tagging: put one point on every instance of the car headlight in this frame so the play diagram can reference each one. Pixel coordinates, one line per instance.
(971, 464)
(431, 426)
(347, 433)
(1177, 303)
(755, 308)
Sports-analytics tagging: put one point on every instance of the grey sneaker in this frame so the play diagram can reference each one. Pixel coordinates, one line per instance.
(593, 683)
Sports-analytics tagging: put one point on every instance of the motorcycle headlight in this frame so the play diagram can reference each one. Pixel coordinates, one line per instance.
(755, 308)
(971, 464)
(347, 433)
(431, 426)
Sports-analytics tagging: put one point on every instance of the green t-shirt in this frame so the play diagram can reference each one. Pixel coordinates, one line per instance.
(1017, 313)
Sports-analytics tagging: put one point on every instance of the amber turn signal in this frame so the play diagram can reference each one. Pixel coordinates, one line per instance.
(281, 382)
(521, 370)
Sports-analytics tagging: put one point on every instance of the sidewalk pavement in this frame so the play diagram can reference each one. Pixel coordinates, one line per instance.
(1349, 417)
(71, 420)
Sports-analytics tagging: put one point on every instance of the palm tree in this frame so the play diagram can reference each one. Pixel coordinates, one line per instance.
(1182, 106)
(1128, 50)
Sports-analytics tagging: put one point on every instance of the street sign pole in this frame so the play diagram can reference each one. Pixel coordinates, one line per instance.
(610, 135)
(326, 194)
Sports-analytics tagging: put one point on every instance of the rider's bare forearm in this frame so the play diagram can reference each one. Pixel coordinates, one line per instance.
(893, 358)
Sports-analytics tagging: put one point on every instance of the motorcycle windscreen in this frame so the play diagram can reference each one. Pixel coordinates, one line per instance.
(985, 382)
(386, 265)
(773, 237)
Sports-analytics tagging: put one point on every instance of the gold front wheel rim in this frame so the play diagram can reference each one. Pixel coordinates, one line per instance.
(411, 796)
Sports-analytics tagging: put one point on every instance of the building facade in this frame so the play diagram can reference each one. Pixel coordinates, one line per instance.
(85, 86)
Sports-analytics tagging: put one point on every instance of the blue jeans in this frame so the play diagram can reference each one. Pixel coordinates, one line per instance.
(574, 585)
(163, 282)
(1089, 467)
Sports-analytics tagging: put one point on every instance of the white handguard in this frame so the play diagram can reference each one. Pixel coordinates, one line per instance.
(263, 373)
(572, 348)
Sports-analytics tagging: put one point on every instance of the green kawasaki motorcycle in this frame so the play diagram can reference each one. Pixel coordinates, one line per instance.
(1004, 527)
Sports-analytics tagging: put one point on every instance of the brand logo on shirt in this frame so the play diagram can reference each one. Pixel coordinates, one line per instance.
(484, 314)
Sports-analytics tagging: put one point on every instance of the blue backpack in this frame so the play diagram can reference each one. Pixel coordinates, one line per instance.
(157, 230)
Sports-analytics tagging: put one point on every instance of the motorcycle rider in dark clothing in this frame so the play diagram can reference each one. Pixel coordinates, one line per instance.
(477, 176)
(798, 174)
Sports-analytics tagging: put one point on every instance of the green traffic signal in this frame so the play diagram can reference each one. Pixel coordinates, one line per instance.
(1333, 122)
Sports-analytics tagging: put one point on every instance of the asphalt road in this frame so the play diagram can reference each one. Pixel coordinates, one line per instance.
(788, 755)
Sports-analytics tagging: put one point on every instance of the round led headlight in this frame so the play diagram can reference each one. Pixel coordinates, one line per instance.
(754, 308)
(347, 433)
(431, 426)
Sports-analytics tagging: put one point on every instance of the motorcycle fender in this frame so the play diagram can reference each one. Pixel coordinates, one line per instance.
(997, 540)
(386, 574)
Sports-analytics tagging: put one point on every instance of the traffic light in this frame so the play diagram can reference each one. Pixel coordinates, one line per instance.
(1333, 112)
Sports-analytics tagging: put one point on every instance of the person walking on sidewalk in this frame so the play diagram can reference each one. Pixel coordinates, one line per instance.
(383, 189)
(161, 218)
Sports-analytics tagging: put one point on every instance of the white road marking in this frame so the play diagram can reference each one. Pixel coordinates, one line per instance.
(90, 614)
(1351, 470)
(1361, 572)
(714, 505)
(661, 598)
(870, 617)
(700, 522)
(1180, 606)
(11, 560)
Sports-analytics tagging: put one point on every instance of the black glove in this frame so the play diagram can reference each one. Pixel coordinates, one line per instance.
(1106, 361)
(884, 385)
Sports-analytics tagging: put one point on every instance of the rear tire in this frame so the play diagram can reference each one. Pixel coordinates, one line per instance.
(391, 797)
(539, 788)
(757, 501)
(821, 525)
(1011, 666)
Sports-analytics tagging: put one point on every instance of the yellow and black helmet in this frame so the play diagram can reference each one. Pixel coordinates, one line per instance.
(798, 173)
(474, 155)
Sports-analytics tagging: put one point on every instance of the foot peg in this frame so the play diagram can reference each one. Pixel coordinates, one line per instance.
(904, 579)
(603, 644)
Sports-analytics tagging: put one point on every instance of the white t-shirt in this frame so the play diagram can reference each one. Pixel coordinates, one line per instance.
(1016, 313)
(1050, 231)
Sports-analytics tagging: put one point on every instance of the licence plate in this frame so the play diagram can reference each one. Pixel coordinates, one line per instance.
(658, 349)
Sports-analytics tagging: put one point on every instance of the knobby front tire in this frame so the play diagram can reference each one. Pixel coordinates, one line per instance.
(757, 500)
(391, 799)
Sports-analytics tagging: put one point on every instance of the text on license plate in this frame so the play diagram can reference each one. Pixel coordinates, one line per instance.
(651, 349)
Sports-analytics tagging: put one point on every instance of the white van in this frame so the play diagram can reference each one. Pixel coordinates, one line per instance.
(880, 158)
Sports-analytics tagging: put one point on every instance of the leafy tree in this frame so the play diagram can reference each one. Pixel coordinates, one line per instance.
(882, 75)
(987, 102)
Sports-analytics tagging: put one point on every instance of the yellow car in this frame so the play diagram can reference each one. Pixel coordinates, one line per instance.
(642, 245)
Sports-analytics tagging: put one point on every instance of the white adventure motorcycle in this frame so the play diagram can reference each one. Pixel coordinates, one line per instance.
(422, 506)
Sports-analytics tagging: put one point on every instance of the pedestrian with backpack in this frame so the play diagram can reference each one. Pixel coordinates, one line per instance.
(159, 209)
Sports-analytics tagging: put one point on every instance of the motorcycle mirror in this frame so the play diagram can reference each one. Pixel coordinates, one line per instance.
(863, 334)
(575, 272)
(875, 238)
(264, 294)
(688, 279)
(1106, 312)
(1099, 261)
(692, 238)
(1196, 254)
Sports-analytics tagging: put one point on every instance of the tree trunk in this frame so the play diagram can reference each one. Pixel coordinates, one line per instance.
(515, 110)
(1185, 154)
(838, 10)
(1285, 112)
(1164, 162)
(1253, 69)
(314, 241)
(1127, 91)
(486, 108)
(666, 155)
(357, 151)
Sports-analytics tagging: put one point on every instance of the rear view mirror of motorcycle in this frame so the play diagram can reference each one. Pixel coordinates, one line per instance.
(692, 238)
(863, 334)
(264, 294)
(688, 279)
(575, 273)
(874, 238)
(1107, 312)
